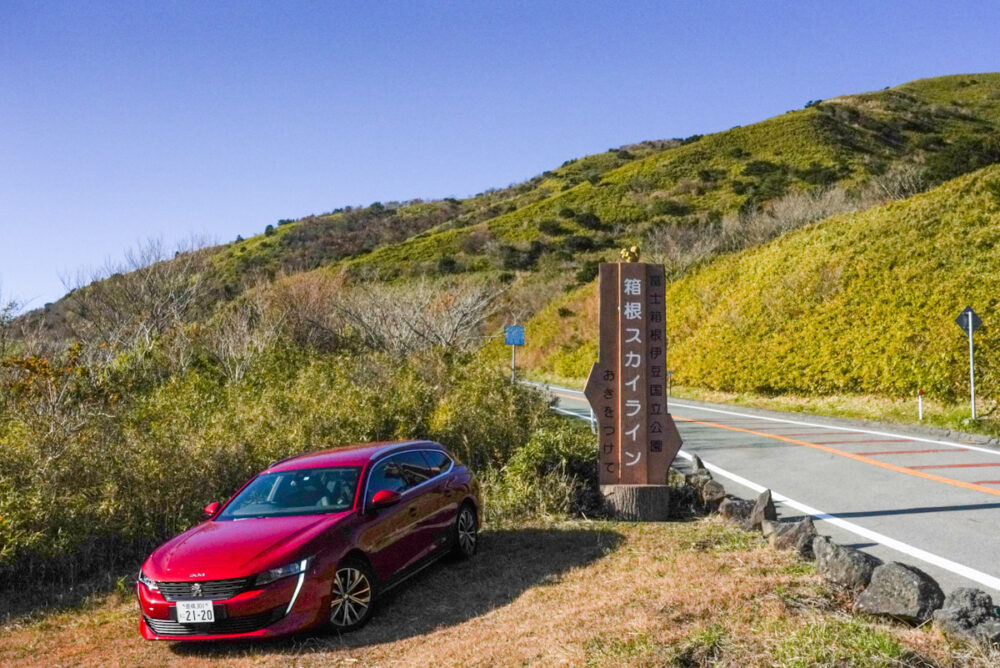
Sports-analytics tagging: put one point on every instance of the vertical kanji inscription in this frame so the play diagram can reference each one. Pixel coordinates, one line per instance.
(627, 387)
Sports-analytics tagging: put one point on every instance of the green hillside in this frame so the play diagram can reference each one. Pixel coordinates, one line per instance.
(863, 303)
(946, 125)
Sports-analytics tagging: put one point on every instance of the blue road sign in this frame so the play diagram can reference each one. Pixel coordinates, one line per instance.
(963, 319)
(513, 335)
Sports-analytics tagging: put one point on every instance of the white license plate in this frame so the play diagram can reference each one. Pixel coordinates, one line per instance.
(195, 612)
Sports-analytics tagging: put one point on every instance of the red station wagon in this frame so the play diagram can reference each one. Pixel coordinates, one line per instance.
(310, 542)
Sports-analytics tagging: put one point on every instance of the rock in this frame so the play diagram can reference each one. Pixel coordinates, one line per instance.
(698, 479)
(988, 631)
(842, 565)
(696, 463)
(762, 510)
(712, 494)
(964, 609)
(796, 536)
(901, 591)
(735, 509)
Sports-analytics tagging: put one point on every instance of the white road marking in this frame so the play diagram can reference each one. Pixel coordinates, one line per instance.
(851, 429)
(898, 545)
(984, 579)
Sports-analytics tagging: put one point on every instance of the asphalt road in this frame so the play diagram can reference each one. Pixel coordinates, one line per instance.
(899, 494)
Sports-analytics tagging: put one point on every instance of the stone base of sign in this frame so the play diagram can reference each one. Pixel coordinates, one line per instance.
(638, 503)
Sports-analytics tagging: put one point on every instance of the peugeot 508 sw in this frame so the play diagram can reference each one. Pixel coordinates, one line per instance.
(312, 541)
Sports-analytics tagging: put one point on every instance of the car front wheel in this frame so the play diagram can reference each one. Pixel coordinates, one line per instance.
(352, 596)
(466, 533)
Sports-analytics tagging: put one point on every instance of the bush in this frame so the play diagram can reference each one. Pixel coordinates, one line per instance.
(486, 418)
(576, 243)
(269, 230)
(588, 271)
(553, 475)
(588, 220)
(169, 444)
(447, 265)
(761, 168)
(551, 228)
(820, 175)
(669, 207)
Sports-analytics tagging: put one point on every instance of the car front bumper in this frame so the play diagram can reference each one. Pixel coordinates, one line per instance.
(267, 612)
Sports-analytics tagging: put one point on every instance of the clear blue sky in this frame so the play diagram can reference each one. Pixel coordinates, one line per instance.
(123, 121)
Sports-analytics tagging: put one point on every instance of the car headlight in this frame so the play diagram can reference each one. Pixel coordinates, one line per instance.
(144, 579)
(294, 568)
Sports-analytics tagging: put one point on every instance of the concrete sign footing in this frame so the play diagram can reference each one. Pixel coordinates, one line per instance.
(638, 503)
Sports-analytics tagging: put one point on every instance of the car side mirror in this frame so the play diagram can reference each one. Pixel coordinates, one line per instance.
(212, 508)
(383, 499)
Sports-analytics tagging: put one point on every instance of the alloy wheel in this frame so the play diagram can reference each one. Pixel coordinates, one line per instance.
(467, 536)
(351, 597)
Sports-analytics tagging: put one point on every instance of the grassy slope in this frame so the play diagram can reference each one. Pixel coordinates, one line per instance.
(577, 593)
(858, 303)
(848, 136)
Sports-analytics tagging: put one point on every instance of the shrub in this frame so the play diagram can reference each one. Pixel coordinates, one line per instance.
(447, 265)
(577, 243)
(567, 212)
(587, 272)
(820, 175)
(669, 207)
(554, 474)
(485, 418)
(168, 444)
(552, 228)
(588, 220)
(761, 168)
(961, 156)
(269, 230)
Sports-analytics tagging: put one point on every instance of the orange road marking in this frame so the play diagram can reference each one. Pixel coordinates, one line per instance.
(850, 455)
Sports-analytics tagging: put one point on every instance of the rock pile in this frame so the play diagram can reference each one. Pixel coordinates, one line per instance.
(895, 590)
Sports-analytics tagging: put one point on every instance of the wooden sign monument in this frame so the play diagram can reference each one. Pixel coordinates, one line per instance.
(627, 390)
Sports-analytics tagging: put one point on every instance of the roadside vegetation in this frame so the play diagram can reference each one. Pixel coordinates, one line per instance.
(112, 443)
(699, 593)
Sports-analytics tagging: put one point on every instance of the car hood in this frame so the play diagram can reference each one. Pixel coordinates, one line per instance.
(218, 550)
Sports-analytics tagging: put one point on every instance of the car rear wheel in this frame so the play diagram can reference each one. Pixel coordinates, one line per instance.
(466, 539)
(352, 596)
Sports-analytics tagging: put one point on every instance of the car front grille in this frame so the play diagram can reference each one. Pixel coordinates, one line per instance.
(229, 626)
(212, 590)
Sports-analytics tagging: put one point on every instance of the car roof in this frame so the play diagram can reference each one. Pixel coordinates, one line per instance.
(351, 455)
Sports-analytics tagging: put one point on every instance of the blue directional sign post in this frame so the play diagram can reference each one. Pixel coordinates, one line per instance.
(969, 321)
(513, 336)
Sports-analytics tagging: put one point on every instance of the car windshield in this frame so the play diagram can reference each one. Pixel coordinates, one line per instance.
(298, 492)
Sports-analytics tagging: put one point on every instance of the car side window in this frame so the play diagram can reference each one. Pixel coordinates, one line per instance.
(437, 461)
(414, 468)
(387, 474)
(398, 473)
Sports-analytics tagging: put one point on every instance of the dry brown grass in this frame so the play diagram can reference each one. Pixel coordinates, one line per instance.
(574, 593)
